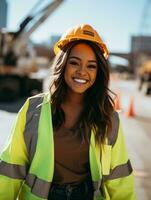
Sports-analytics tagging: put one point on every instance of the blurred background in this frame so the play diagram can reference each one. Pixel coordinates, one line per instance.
(28, 31)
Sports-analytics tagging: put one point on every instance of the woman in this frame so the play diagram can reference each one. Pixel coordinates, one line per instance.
(69, 145)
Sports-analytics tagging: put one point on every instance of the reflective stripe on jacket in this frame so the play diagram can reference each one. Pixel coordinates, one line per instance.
(27, 162)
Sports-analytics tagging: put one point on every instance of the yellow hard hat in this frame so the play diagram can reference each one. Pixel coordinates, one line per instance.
(81, 32)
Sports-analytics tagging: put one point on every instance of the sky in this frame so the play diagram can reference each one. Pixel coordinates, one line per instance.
(115, 20)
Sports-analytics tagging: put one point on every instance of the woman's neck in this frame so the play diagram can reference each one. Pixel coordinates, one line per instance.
(72, 107)
(74, 99)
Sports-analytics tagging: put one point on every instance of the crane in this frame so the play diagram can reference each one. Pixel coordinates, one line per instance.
(16, 81)
(14, 44)
(145, 25)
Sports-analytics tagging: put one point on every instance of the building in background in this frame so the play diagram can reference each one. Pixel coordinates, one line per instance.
(141, 44)
(140, 49)
(3, 13)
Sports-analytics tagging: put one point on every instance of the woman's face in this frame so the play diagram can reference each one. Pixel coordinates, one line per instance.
(81, 69)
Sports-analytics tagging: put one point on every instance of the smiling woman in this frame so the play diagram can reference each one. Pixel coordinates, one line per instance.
(81, 69)
(71, 140)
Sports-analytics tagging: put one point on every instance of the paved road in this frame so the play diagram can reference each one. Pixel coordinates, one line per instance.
(137, 131)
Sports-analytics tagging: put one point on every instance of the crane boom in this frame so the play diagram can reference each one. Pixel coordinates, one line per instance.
(23, 34)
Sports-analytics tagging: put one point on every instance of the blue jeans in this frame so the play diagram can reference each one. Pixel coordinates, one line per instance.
(83, 191)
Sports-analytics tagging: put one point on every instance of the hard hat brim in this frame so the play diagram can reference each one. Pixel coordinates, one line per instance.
(61, 44)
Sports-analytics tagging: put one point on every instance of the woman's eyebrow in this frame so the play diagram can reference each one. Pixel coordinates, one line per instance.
(92, 61)
(74, 57)
(80, 59)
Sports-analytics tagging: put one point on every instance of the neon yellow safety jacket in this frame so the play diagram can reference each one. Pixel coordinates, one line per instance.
(27, 162)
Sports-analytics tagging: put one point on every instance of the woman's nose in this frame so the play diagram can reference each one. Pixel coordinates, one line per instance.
(81, 69)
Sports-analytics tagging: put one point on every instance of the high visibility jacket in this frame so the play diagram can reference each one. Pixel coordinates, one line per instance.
(27, 162)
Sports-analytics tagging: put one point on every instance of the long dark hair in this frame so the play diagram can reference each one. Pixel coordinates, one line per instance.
(98, 103)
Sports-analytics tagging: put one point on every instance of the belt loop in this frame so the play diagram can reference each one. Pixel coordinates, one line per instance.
(86, 187)
(68, 191)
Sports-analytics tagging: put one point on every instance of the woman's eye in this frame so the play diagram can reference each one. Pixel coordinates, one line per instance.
(73, 63)
(92, 66)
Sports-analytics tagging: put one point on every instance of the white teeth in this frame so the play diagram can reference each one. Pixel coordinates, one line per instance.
(80, 80)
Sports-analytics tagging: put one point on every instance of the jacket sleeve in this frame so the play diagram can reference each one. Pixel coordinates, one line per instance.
(14, 159)
(119, 184)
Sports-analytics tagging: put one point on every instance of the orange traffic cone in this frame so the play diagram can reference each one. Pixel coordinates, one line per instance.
(117, 103)
(130, 112)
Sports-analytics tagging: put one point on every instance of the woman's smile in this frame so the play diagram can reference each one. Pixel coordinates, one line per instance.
(80, 80)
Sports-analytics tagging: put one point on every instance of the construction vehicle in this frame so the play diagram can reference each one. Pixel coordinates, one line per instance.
(144, 73)
(19, 74)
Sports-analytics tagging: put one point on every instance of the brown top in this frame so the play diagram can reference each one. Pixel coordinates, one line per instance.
(71, 157)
